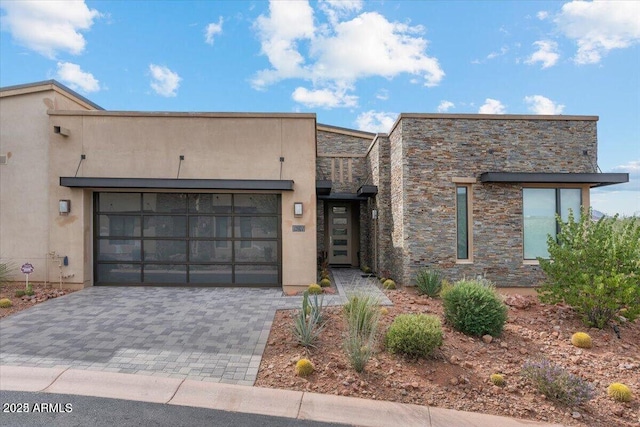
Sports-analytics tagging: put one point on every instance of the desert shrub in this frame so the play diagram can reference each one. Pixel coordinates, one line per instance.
(581, 339)
(325, 283)
(306, 324)
(20, 293)
(362, 316)
(474, 309)
(315, 308)
(366, 269)
(389, 284)
(304, 367)
(429, 282)
(5, 272)
(5, 303)
(594, 267)
(619, 392)
(556, 383)
(314, 289)
(384, 311)
(382, 279)
(362, 311)
(497, 379)
(30, 291)
(415, 335)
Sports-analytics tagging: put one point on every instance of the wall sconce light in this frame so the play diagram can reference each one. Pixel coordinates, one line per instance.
(297, 209)
(64, 207)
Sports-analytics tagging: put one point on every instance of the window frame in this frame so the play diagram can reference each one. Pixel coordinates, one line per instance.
(466, 183)
(585, 202)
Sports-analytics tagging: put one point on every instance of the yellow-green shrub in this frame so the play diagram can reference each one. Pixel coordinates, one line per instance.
(581, 339)
(5, 303)
(416, 335)
(497, 379)
(619, 392)
(389, 284)
(325, 283)
(304, 367)
(314, 289)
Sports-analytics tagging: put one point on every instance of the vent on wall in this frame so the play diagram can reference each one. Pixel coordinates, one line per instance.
(3, 159)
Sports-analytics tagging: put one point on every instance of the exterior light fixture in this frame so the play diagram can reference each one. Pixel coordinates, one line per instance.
(297, 209)
(64, 207)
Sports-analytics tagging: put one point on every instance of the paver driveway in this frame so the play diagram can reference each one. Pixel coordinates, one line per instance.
(212, 334)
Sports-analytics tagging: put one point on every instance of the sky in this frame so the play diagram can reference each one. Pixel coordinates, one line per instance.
(355, 64)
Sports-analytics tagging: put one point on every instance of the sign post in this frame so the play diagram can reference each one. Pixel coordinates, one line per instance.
(27, 268)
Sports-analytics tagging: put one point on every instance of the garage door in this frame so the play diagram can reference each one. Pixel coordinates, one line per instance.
(187, 239)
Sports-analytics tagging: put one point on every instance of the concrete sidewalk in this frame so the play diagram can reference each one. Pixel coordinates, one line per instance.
(237, 398)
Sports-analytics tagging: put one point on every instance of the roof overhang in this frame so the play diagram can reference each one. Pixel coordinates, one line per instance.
(593, 179)
(323, 187)
(178, 184)
(343, 196)
(367, 191)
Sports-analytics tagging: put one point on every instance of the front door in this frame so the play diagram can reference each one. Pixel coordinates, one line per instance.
(339, 233)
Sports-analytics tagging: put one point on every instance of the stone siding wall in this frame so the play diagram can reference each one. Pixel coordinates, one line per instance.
(426, 154)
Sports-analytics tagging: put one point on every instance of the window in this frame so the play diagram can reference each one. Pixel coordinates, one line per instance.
(463, 215)
(539, 209)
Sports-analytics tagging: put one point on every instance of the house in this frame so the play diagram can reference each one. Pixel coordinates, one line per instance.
(96, 197)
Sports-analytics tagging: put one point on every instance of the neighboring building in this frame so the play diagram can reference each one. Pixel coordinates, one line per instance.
(95, 197)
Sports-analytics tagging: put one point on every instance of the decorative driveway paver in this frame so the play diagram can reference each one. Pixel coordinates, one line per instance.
(210, 334)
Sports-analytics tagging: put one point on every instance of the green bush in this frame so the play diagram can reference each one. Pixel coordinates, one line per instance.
(5, 272)
(314, 289)
(325, 283)
(389, 284)
(595, 268)
(474, 309)
(429, 282)
(5, 303)
(20, 293)
(415, 335)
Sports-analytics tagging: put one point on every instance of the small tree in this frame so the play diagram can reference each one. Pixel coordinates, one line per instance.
(595, 268)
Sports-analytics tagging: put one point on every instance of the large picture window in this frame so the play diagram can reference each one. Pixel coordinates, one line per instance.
(178, 238)
(540, 207)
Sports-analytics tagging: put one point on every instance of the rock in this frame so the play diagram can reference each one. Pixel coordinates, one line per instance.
(504, 345)
(517, 301)
(454, 381)
(487, 339)
(576, 415)
(523, 351)
(454, 360)
(467, 364)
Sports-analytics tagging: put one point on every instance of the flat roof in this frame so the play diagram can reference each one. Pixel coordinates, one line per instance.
(248, 115)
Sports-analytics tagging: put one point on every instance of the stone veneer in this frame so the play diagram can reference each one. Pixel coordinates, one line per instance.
(428, 151)
(339, 150)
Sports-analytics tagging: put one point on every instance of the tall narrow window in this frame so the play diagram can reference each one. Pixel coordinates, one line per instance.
(462, 222)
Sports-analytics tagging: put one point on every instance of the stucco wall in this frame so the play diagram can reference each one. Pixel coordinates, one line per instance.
(25, 205)
(223, 146)
(427, 154)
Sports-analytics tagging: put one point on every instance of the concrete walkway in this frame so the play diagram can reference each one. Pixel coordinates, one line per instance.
(203, 334)
(256, 400)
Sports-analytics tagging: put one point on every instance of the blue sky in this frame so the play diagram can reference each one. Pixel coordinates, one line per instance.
(356, 64)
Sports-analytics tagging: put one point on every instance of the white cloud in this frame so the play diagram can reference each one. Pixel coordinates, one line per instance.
(212, 29)
(542, 15)
(164, 81)
(539, 104)
(492, 106)
(382, 94)
(546, 53)
(445, 106)
(325, 98)
(503, 51)
(632, 168)
(339, 53)
(599, 27)
(73, 76)
(376, 121)
(336, 9)
(48, 27)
